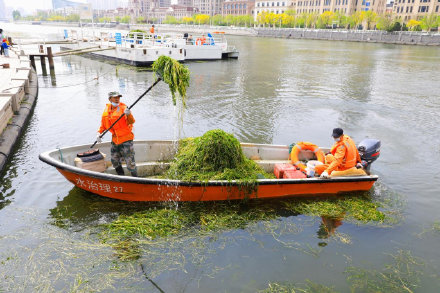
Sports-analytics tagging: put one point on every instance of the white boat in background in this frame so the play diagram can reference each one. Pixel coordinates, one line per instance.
(142, 49)
(130, 49)
(210, 46)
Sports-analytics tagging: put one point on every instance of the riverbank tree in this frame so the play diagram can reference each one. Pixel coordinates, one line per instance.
(291, 19)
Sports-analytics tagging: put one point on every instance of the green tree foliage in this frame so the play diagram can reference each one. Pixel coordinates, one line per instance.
(385, 23)
(171, 20)
(369, 17)
(356, 19)
(141, 19)
(72, 18)
(126, 19)
(325, 19)
(16, 15)
(429, 22)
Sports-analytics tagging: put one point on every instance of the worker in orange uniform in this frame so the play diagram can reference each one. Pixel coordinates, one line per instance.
(152, 30)
(343, 155)
(122, 135)
(203, 39)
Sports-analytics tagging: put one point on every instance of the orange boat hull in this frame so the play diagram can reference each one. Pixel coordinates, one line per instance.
(141, 189)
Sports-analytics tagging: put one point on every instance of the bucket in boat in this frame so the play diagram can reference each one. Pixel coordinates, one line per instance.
(310, 170)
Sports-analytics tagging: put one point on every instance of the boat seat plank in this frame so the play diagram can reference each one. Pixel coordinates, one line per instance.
(149, 168)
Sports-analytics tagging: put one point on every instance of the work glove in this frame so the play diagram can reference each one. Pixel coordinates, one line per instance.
(98, 138)
(359, 166)
(127, 112)
(324, 174)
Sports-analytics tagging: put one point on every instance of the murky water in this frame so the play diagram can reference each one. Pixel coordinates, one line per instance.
(278, 91)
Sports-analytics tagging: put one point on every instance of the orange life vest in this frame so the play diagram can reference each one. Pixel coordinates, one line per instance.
(122, 131)
(303, 145)
(351, 152)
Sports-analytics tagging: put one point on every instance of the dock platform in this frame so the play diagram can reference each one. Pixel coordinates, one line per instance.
(18, 93)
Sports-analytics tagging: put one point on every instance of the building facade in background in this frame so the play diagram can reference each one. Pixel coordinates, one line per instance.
(415, 9)
(277, 7)
(209, 7)
(238, 7)
(346, 7)
(2, 10)
(103, 4)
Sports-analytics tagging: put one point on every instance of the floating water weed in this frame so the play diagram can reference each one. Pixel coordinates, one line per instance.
(402, 275)
(355, 208)
(154, 223)
(309, 287)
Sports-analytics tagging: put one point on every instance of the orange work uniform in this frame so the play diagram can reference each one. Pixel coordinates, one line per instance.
(122, 131)
(152, 30)
(343, 155)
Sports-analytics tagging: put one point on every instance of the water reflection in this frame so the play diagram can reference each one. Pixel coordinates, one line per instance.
(80, 209)
(327, 228)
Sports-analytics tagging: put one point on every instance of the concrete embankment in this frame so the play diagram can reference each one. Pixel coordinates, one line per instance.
(404, 38)
(18, 93)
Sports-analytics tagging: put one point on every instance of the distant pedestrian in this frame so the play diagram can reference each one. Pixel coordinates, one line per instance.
(152, 30)
(5, 48)
(2, 36)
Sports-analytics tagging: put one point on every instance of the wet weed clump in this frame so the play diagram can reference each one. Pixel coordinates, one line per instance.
(174, 74)
(309, 287)
(195, 218)
(216, 155)
(357, 208)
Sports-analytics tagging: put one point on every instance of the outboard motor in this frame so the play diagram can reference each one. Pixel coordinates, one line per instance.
(369, 150)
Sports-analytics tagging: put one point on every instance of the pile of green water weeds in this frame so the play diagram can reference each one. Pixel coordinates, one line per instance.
(217, 155)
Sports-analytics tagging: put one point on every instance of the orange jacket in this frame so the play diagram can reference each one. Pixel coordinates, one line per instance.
(152, 30)
(345, 153)
(122, 131)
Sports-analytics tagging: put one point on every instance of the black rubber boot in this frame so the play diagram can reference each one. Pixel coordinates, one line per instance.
(119, 170)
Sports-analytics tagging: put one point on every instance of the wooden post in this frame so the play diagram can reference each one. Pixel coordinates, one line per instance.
(32, 57)
(43, 65)
(52, 77)
(50, 58)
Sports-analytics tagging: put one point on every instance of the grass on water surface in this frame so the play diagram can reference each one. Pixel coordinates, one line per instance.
(202, 219)
(402, 274)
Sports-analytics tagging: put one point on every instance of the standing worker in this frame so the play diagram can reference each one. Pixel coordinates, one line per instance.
(343, 155)
(152, 30)
(122, 135)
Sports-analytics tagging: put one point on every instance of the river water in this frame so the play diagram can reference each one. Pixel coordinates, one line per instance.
(279, 91)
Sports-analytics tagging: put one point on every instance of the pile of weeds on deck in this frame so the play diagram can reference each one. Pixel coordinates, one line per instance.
(217, 155)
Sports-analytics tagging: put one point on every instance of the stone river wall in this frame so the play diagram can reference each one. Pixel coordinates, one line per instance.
(406, 38)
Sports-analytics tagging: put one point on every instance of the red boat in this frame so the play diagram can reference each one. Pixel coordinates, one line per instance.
(153, 157)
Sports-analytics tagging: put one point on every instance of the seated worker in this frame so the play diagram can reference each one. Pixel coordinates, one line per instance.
(343, 155)
(201, 40)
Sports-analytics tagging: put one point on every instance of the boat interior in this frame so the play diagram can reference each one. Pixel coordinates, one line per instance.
(153, 157)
